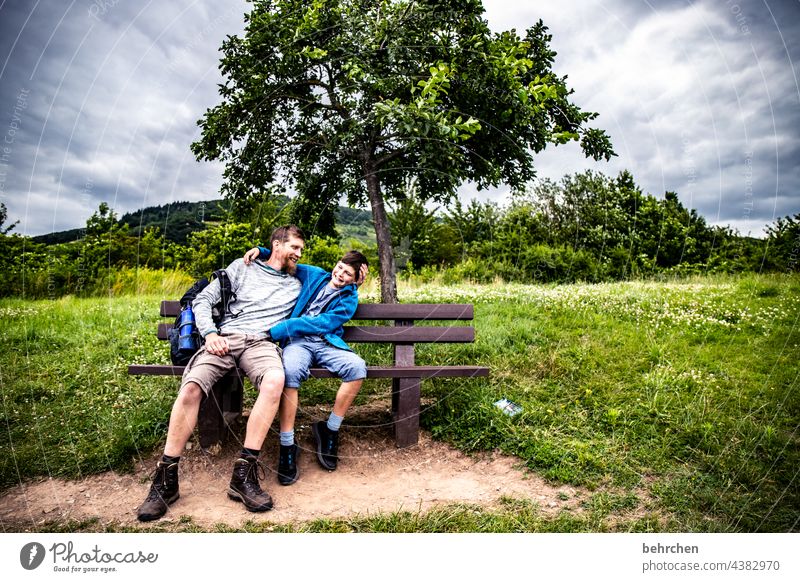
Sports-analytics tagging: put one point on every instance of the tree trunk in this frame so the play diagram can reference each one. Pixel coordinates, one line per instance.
(384, 237)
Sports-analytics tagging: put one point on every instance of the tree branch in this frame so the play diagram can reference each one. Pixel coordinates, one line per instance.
(389, 157)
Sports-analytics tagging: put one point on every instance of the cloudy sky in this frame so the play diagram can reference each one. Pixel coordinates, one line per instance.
(99, 101)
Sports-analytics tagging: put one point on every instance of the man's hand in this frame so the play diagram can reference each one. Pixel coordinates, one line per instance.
(217, 345)
(362, 275)
(251, 255)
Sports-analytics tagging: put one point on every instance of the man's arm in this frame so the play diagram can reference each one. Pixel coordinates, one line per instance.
(214, 343)
(202, 308)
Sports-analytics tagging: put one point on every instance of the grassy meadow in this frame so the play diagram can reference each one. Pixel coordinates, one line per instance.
(675, 403)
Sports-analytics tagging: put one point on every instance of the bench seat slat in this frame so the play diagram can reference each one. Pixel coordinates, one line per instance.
(382, 311)
(372, 371)
(390, 334)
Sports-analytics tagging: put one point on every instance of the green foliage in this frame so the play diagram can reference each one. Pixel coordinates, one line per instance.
(87, 265)
(587, 227)
(263, 211)
(3, 217)
(176, 219)
(784, 243)
(313, 211)
(110, 257)
(217, 247)
(419, 238)
(322, 252)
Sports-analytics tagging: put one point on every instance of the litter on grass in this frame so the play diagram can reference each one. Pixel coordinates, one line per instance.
(508, 407)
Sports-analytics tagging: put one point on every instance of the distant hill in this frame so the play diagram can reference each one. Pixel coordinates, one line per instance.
(175, 220)
(57, 238)
(355, 223)
(178, 219)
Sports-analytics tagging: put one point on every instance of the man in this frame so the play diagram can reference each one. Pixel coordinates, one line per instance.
(265, 295)
(327, 302)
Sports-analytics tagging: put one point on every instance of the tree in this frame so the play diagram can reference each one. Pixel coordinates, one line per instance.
(3, 217)
(106, 243)
(471, 225)
(215, 247)
(783, 242)
(363, 94)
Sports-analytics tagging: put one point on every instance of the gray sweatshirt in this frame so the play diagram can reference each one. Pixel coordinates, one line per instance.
(264, 297)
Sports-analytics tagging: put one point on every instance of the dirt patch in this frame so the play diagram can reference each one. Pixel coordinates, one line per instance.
(373, 477)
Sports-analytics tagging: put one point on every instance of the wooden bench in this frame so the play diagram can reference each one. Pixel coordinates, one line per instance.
(225, 401)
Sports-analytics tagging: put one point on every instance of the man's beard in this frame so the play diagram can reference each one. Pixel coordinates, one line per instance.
(290, 267)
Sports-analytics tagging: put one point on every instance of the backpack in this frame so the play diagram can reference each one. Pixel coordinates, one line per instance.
(180, 356)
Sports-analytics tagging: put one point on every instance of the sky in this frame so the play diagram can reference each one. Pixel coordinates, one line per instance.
(99, 101)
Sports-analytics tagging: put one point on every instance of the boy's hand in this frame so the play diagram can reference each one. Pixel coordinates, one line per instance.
(251, 255)
(362, 275)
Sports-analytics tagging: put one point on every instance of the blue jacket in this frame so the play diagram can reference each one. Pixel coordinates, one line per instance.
(328, 324)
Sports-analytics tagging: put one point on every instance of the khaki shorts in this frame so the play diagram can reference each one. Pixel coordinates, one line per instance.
(255, 355)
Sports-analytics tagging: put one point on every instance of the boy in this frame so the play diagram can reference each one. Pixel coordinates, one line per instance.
(315, 338)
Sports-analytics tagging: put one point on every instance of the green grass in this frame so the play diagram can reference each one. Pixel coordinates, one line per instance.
(681, 392)
(68, 405)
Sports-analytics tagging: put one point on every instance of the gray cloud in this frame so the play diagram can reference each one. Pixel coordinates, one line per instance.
(113, 91)
(700, 98)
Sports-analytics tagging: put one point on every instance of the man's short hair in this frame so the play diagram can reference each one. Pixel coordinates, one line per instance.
(354, 259)
(284, 233)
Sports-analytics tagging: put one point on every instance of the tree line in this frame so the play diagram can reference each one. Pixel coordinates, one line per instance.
(585, 227)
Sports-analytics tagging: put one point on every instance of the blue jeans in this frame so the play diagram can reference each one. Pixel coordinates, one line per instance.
(302, 353)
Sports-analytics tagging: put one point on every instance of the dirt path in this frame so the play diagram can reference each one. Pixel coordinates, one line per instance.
(373, 477)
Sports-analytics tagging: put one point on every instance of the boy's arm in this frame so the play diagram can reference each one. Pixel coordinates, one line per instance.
(327, 322)
(303, 271)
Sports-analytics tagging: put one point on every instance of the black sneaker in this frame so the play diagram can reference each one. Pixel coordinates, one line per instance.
(163, 491)
(327, 445)
(244, 485)
(287, 464)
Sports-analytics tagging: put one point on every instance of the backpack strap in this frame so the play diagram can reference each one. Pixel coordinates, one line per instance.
(227, 294)
(192, 292)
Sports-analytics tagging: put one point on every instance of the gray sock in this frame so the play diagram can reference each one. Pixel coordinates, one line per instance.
(287, 438)
(334, 422)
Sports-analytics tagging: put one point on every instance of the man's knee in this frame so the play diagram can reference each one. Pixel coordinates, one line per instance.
(271, 385)
(190, 394)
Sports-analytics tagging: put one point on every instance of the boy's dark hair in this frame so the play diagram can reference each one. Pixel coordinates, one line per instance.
(355, 259)
(282, 234)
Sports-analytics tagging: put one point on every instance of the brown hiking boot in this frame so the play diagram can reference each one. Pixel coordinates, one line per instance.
(244, 485)
(163, 491)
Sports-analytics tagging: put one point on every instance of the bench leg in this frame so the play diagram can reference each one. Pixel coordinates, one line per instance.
(232, 400)
(405, 410)
(217, 410)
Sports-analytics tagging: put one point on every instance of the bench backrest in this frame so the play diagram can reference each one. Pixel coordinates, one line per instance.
(403, 333)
